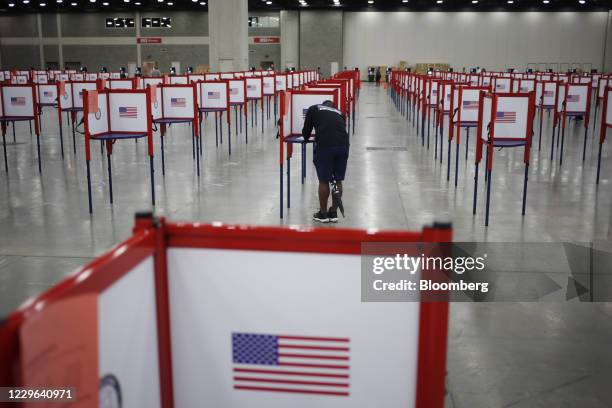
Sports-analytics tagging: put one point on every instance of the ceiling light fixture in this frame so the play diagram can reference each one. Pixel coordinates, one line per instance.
(474, 1)
(404, 1)
(370, 1)
(11, 5)
(73, 4)
(170, 3)
(202, 3)
(440, 1)
(105, 3)
(546, 1)
(26, 1)
(268, 2)
(581, 1)
(43, 4)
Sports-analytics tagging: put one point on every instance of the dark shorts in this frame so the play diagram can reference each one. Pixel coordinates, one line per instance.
(331, 161)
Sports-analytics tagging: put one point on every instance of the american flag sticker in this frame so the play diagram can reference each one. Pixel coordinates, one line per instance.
(499, 86)
(573, 98)
(178, 102)
(251, 87)
(233, 91)
(18, 101)
(214, 95)
(47, 94)
(291, 364)
(505, 117)
(549, 93)
(128, 112)
(470, 104)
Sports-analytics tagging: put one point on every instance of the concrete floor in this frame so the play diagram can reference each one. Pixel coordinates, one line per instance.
(500, 354)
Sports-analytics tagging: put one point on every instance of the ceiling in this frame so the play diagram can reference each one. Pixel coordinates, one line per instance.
(20, 6)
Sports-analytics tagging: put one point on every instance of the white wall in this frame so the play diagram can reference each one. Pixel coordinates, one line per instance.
(494, 40)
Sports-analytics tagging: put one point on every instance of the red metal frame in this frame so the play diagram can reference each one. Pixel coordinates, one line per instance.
(152, 237)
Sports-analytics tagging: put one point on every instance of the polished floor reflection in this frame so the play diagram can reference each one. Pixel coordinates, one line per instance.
(500, 355)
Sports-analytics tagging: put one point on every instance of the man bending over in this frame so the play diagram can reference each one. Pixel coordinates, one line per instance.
(331, 151)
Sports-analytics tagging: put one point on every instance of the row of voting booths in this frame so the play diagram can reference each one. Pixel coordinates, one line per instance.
(140, 325)
(113, 109)
(501, 108)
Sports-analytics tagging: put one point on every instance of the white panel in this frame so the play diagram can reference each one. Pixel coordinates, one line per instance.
(281, 82)
(268, 85)
(486, 117)
(502, 85)
(195, 78)
(609, 108)
(77, 92)
(120, 84)
(511, 117)
(577, 97)
(526, 85)
(18, 101)
(128, 112)
(237, 91)
(156, 107)
(214, 94)
(127, 335)
(214, 293)
(66, 99)
(469, 105)
(178, 102)
(300, 104)
(98, 121)
(212, 77)
(180, 80)
(253, 88)
(47, 94)
(152, 81)
(289, 81)
(227, 75)
(561, 99)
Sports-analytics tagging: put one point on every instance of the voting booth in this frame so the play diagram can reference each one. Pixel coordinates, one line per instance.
(113, 115)
(504, 121)
(254, 94)
(213, 97)
(238, 100)
(18, 103)
(465, 105)
(547, 93)
(576, 102)
(445, 94)
(189, 314)
(173, 104)
(294, 106)
(269, 94)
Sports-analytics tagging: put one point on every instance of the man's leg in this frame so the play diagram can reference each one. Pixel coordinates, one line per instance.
(334, 206)
(323, 196)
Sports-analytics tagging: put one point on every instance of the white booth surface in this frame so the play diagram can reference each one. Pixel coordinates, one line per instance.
(242, 322)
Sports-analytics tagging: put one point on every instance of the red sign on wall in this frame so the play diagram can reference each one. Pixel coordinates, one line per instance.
(149, 40)
(266, 40)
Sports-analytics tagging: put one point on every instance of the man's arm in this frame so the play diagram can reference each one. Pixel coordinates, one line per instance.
(308, 122)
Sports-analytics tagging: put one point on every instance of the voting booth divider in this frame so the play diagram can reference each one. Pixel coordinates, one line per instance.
(173, 104)
(599, 91)
(213, 97)
(148, 81)
(293, 108)
(505, 120)
(502, 85)
(117, 114)
(70, 95)
(161, 321)
(18, 103)
(465, 107)
(606, 122)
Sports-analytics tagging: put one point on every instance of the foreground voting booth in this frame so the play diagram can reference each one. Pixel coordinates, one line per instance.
(171, 317)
